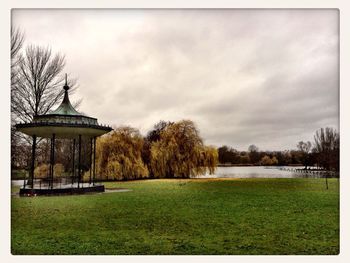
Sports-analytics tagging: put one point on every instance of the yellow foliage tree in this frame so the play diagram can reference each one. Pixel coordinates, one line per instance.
(118, 155)
(274, 160)
(42, 171)
(266, 160)
(180, 152)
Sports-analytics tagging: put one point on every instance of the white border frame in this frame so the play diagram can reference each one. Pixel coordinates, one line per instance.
(5, 204)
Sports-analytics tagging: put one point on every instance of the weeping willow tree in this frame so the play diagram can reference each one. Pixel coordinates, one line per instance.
(118, 155)
(180, 152)
(177, 150)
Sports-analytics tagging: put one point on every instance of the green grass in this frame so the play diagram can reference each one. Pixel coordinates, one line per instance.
(245, 216)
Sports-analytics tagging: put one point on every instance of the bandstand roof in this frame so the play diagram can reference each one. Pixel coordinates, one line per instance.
(64, 122)
(66, 107)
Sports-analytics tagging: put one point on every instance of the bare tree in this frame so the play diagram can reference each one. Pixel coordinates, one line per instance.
(305, 149)
(17, 151)
(327, 148)
(17, 39)
(38, 83)
(253, 153)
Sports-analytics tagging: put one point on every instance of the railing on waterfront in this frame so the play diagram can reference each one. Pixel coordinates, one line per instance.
(314, 172)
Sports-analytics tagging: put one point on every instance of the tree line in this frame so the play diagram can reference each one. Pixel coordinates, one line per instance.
(323, 153)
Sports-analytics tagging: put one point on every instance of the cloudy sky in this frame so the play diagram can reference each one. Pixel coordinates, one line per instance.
(263, 77)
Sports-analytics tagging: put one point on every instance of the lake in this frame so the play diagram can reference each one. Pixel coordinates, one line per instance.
(246, 172)
(260, 172)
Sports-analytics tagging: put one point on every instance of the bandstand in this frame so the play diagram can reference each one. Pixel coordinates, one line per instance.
(64, 123)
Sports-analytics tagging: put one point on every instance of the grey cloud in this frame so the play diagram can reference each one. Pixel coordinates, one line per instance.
(268, 77)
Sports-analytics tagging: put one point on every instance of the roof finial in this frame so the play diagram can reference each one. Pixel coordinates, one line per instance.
(66, 87)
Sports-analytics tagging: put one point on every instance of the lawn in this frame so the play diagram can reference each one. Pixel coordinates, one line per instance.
(197, 216)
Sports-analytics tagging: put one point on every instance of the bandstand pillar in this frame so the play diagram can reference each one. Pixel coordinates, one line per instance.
(90, 160)
(52, 159)
(79, 161)
(94, 171)
(73, 165)
(32, 167)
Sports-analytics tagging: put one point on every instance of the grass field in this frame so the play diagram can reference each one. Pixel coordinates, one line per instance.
(198, 216)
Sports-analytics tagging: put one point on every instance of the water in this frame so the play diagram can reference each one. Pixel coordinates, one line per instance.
(17, 182)
(259, 172)
(245, 172)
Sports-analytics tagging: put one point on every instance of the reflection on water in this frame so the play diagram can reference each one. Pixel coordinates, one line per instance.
(18, 182)
(262, 172)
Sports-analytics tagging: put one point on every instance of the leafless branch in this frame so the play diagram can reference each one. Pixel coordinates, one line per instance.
(39, 81)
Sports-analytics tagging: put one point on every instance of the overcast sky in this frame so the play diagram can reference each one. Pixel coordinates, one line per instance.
(263, 77)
